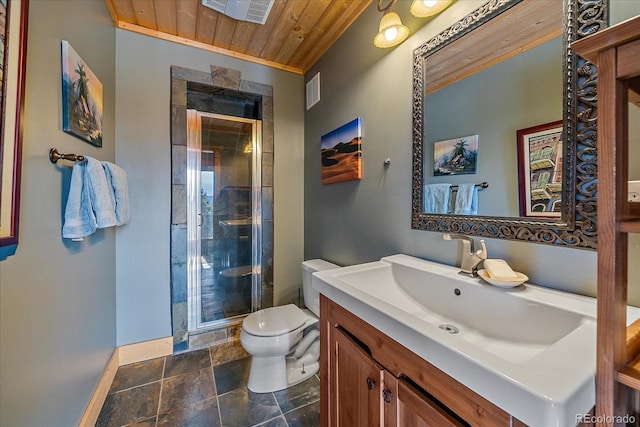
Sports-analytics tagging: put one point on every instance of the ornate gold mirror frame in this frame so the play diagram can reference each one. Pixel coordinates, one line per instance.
(578, 224)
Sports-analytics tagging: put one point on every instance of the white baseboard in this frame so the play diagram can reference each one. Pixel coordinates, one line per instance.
(123, 355)
(146, 350)
(100, 393)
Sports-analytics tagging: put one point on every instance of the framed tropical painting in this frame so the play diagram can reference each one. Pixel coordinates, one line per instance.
(457, 156)
(81, 98)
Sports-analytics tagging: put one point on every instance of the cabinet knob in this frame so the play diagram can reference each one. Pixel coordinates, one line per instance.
(386, 395)
(371, 383)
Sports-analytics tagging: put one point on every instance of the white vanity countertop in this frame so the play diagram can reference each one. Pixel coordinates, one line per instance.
(545, 379)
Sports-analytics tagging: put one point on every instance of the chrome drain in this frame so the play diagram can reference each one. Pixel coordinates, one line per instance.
(449, 328)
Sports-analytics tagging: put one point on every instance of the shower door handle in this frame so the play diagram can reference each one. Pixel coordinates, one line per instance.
(199, 220)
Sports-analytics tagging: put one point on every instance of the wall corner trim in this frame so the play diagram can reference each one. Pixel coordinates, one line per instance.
(94, 407)
(145, 350)
(122, 355)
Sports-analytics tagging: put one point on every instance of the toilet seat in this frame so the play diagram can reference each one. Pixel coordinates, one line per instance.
(274, 321)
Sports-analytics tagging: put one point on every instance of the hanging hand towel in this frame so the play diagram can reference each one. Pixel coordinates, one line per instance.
(436, 198)
(99, 194)
(117, 180)
(466, 200)
(90, 204)
(79, 220)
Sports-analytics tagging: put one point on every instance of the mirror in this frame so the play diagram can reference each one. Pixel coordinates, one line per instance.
(444, 70)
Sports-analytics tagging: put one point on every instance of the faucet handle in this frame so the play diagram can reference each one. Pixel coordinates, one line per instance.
(482, 252)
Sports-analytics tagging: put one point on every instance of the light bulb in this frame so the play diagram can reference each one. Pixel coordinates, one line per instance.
(427, 8)
(391, 33)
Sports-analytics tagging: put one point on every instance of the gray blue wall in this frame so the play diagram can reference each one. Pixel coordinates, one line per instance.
(57, 298)
(359, 221)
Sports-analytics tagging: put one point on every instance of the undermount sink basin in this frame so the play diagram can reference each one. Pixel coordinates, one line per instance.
(529, 350)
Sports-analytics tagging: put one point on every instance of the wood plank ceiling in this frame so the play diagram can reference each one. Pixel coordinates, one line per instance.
(296, 34)
(525, 26)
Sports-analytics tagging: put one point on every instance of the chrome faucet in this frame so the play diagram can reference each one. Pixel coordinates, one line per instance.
(470, 257)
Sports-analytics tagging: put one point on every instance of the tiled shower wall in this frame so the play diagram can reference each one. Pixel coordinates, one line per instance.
(227, 79)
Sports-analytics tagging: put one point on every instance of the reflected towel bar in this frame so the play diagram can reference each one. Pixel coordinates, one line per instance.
(55, 155)
(481, 185)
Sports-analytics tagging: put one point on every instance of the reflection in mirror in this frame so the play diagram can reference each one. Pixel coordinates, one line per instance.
(479, 77)
(493, 104)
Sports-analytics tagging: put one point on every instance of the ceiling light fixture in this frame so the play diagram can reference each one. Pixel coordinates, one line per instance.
(391, 31)
(248, 147)
(427, 8)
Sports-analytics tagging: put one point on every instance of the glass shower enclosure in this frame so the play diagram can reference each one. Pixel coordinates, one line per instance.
(223, 218)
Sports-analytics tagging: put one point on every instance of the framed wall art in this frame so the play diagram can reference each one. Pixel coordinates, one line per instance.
(341, 151)
(540, 170)
(457, 156)
(13, 53)
(81, 98)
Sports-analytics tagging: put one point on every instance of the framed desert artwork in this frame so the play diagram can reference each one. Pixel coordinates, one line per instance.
(81, 98)
(540, 170)
(341, 151)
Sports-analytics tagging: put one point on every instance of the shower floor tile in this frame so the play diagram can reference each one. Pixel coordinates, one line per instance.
(203, 388)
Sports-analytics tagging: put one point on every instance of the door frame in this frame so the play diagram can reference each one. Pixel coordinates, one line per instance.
(194, 217)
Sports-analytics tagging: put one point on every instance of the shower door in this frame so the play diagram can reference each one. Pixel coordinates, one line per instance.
(223, 218)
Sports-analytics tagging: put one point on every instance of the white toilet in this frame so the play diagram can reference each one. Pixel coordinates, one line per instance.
(284, 341)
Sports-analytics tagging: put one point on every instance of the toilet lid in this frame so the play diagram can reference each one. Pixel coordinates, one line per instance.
(274, 320)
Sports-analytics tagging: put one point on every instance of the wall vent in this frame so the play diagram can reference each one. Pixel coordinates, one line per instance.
(313, 91)
(244, 10)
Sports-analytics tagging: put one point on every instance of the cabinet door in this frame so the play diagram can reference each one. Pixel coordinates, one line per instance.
(355, 384)
(415, 409)
(390, 400)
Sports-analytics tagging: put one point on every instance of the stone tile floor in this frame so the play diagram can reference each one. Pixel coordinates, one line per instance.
(203, 388)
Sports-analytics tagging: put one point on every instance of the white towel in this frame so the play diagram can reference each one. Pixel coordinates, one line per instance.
(436, 198)
(79, 220)
(117, 180)
(466, 200)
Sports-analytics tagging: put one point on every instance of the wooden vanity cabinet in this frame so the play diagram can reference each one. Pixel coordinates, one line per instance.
(369, 379)
(365, 394)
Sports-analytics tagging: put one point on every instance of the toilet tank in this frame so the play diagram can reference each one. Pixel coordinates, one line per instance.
(311, 296)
